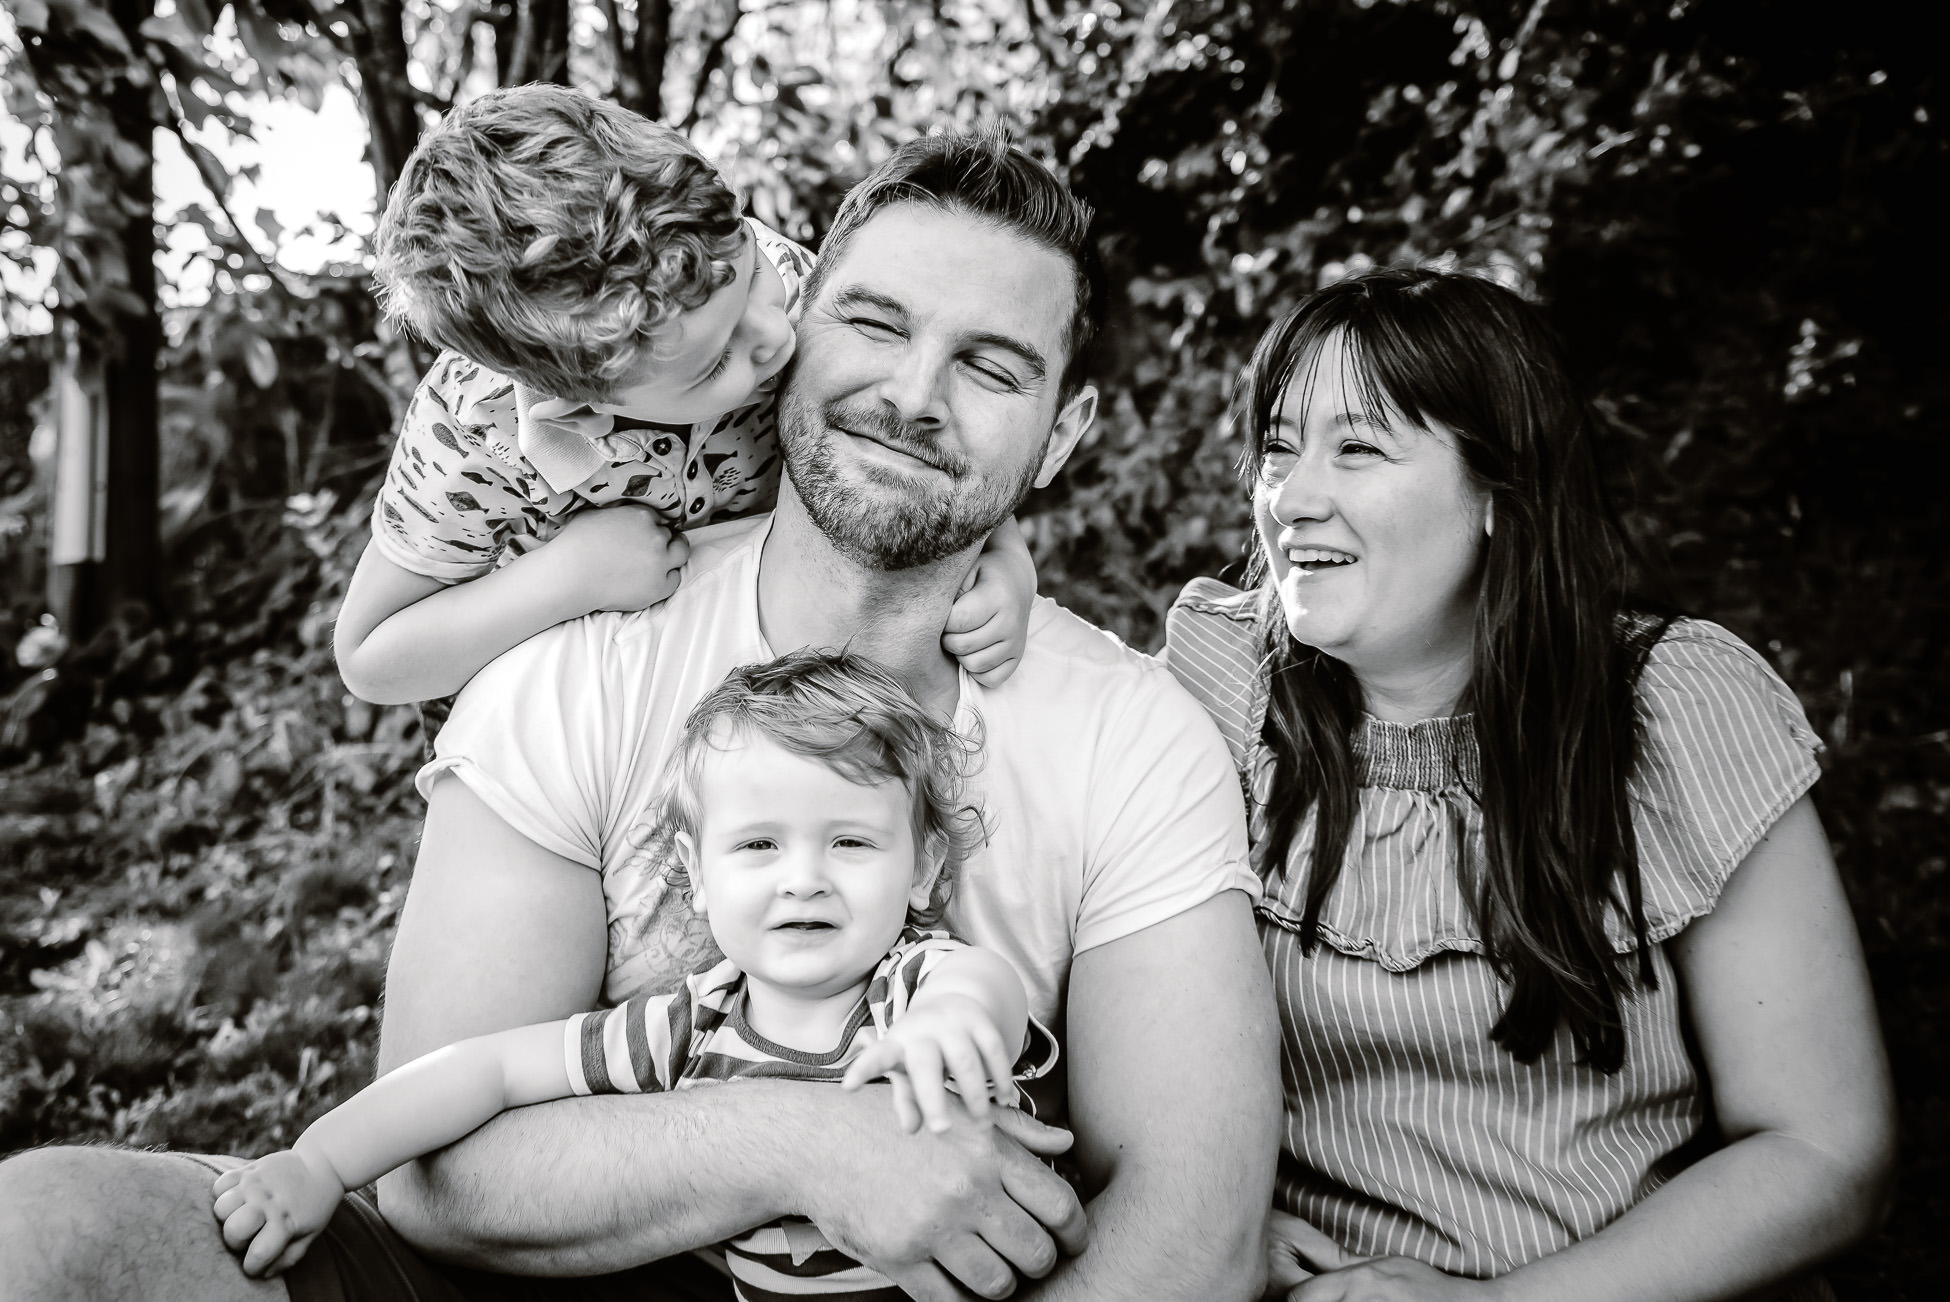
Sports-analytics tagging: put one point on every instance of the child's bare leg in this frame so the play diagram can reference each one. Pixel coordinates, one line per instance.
(106, 1224)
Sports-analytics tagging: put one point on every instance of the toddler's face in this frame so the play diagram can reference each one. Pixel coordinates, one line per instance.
(804, 876)
(710, 360)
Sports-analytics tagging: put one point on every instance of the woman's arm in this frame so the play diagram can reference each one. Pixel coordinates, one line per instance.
(1779, 996)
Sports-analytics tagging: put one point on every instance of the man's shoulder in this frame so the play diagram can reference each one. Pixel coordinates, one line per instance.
(1073, 667)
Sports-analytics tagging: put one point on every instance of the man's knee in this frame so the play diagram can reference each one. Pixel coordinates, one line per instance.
(81, 1222)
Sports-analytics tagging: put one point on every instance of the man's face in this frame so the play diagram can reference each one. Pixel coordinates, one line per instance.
(924, 403)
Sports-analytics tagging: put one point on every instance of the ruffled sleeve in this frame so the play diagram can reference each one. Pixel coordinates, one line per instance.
(1726, 750)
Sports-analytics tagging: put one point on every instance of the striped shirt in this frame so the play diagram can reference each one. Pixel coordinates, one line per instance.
(1407, 1130)
(698, 1035)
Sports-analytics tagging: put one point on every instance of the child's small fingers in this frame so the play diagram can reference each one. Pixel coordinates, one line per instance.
(227, 1180)
(996, 1058)
(930, 1095)
(292, 1255)
(971, 1081)
(265, 1250)
(997, 674)
(227, 1202)
(241, 1225)
(905, 1112)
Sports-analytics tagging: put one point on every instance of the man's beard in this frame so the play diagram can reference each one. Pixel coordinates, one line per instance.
(891, 522)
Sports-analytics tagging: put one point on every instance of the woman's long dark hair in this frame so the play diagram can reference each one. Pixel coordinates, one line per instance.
(1556, 656)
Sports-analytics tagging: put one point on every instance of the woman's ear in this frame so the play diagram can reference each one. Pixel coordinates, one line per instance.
(687, 852)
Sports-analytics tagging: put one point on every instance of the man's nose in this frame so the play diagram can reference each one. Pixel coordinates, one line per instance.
(916, 385)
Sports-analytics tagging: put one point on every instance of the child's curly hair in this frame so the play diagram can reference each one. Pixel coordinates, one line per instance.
(847, 712)
(546, 234)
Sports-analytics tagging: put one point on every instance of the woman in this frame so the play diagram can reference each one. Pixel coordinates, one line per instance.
(1573, 1006)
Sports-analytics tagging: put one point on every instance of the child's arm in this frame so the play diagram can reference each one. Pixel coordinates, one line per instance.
(965, 1016)
(989, 625)
(404, 637)
(272, 1208)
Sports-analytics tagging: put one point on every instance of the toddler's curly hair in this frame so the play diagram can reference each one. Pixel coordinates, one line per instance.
(546, 234)
(847, 712)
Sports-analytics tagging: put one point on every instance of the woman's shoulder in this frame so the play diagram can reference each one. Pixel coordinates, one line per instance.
(1213, 647)
(1726, 749)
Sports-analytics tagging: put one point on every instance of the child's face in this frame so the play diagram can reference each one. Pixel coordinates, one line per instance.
(804, 876)
(708, 361)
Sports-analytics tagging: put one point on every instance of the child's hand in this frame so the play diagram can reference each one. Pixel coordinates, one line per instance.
(616, 557)
(989, 625)
(272, 1209)
(949, 1035)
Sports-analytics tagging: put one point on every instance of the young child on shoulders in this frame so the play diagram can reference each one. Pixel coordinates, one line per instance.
(817, 811)
(613, 333)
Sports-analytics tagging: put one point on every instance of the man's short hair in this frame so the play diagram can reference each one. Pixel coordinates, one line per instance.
(851, 715)
(982, 173)
(546, 234)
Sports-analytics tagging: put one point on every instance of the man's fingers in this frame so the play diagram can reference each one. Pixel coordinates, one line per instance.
(925, 1282)
(979, 1268)
(1047, 1197)
(1040, 1139)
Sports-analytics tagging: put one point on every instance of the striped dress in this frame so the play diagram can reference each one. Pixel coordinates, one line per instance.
(698, 1035)
(1407, 1130)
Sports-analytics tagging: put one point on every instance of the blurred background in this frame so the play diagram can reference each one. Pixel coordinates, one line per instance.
(1725, 206)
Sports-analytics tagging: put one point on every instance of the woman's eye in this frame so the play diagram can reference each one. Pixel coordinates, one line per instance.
(1276, 462)
(1354, 449)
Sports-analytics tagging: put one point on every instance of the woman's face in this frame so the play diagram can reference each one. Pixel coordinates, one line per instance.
(1372, 529)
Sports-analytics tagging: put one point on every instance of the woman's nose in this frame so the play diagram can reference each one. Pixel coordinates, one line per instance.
(1301, 495)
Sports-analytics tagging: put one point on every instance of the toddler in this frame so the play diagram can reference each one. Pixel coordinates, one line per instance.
(816, 809)
(614, 332)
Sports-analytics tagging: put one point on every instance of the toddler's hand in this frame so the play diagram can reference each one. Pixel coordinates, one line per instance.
(989, 625)
(616, 557)
(272, 1209)
(946, 1036)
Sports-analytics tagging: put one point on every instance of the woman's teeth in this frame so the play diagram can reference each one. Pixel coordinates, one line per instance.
(1318, 557)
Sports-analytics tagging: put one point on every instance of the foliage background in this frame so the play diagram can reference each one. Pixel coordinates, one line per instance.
(1725, 205)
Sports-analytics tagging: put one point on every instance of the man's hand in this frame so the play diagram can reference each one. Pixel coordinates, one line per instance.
(941, 1036)
(1391, 1279)
(988, 628)
(976, 1202)
(272, 1209)
(615, 558)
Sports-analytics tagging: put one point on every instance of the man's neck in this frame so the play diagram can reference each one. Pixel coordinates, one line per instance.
(810, 594)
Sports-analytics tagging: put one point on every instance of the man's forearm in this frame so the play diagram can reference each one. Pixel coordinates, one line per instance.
(592, 1185)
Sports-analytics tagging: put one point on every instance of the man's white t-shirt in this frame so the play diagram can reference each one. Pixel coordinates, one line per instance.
(1111, 802)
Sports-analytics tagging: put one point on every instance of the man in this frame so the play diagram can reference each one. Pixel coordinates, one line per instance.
(937, 381)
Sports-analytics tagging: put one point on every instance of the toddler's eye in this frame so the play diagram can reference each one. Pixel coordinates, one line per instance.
(719, 369)
(758, 843)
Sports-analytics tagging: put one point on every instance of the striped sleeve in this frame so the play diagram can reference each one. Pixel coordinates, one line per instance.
(1727, 749)
(1212, 646)
(632, 1048)
(900, 975)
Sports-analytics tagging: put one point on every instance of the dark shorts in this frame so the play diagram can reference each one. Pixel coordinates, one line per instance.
(358, 1258)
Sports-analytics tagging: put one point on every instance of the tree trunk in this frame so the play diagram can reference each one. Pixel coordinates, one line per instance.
(531, 42)
(652, 48)
(392, 114)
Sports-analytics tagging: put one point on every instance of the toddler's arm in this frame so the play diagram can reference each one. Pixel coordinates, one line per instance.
(989, 625)
(966, 1021)
(404, 637)
(272, 1209)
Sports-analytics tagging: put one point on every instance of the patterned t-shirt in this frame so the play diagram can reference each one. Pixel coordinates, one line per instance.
(480, 476)
(698, 1035)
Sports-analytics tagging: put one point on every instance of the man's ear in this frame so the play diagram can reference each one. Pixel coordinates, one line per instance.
(1072, 423)
(687, 852)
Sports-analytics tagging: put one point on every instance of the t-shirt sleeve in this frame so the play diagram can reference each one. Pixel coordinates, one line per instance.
(632, 1048)
(794, 262)
(1166, 818)
(448, 501)
(1726, 750)
(533, 735)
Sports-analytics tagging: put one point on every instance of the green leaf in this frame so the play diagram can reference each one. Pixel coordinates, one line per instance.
(261, 361)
